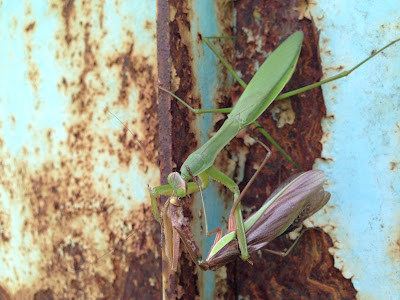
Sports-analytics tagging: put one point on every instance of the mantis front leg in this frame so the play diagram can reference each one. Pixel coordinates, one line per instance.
(171, 189)
(237, 211)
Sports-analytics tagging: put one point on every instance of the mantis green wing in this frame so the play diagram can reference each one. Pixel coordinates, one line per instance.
(269, 80)
(264, 87)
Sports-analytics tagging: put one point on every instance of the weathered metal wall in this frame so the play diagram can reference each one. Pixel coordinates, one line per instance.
(73, 180)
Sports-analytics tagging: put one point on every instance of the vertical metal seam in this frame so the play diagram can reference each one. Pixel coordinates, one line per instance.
(170, 279)
(164, 79)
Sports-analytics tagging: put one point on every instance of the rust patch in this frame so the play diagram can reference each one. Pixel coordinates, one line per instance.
(12, 119)
(68, 11)
(101, 14)
(5, 226)
(136, 73)
(181, 59)
(82, 98)
(33, 71)
(393, 165)
(395, 251)
(307, 272)
(44, 295)
(394, 247)
(30, 27)
(148, 25)
(3, 294)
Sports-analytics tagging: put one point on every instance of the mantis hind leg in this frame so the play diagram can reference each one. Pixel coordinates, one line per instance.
(286, 252)
(235, 217)
(246, 188)
(232, 186)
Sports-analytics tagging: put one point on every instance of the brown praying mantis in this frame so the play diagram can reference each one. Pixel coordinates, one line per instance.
(262, 90)
(298, 198)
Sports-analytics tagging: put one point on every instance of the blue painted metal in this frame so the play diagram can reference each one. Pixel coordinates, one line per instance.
(361, 143)
(209, 82)
(71, 177)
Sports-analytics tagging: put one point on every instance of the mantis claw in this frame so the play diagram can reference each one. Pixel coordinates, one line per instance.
(250, 262)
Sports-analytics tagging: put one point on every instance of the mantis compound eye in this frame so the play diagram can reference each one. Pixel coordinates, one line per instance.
(174, 201)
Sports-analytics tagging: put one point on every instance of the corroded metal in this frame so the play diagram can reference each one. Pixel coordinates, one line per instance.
(174, 54)
(73, 182)
(170, 278)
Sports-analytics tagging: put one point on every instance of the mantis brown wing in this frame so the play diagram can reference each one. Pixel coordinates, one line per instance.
(293, 201)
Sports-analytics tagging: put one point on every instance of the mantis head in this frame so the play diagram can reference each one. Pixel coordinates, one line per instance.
(178, 184)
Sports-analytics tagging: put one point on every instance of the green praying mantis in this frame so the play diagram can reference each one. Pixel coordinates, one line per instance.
(262, 90)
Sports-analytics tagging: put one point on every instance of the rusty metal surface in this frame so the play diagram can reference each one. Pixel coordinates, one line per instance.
(171, 279)
(176, 59)
(73, 180)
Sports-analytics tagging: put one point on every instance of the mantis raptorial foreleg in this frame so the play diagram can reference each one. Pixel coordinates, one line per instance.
(168, 190)
(286, 252)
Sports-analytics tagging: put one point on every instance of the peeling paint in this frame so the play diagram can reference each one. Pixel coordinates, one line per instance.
(282, 112)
